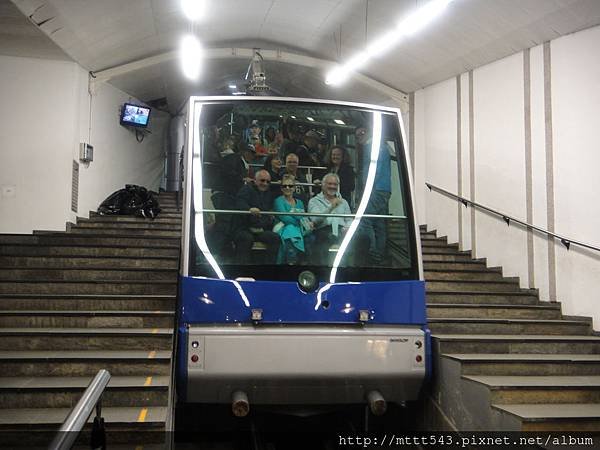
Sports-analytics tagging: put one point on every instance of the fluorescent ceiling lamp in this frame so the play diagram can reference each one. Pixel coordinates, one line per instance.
(407, 27)
(193, 9)
(232, 86)
(293, 117)
(423, 16)
(339, 122)
(238, 93)
(191, 55)
(311, 119)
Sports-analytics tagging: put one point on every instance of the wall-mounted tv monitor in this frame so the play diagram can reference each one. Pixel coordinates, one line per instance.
(135, 116)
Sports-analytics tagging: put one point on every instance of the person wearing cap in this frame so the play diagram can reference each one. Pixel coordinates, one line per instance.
(255, 139)
(308, 152)
(235, 171)
(236, 168)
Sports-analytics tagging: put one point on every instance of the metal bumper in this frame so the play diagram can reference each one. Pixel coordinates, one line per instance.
(304, 364)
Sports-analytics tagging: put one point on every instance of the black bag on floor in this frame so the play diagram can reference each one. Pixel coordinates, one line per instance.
(132, 201)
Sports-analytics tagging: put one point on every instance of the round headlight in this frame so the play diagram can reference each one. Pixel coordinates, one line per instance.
(307, 281)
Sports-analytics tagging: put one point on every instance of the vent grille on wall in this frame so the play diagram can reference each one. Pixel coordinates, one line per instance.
(75, 187)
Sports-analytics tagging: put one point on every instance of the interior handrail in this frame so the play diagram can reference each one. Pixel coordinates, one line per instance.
(508, 219)
(213, 163)
(79, 415)
(309, 214)
(299, 167)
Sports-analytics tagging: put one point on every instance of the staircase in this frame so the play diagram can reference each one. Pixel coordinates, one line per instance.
(504, 360)
(100, 296)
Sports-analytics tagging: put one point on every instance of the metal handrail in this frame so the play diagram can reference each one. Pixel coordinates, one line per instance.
(73, 424)
(308, 214)
(299, 167)
(508, 219)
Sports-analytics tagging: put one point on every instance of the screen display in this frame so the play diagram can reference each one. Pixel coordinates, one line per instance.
(134, 115)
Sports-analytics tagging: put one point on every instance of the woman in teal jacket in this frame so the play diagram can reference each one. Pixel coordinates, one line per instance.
(291, 228)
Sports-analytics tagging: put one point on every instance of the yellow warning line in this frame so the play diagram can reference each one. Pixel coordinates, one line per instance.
(148, 381)
(152, 354)
(154, 330)
(142, 416)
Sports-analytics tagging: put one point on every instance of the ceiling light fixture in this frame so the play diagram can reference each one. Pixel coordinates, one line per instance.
(339, 122)
(191, 55)
(193, 9)
(311, 119)
(407, 27)
(232, 86)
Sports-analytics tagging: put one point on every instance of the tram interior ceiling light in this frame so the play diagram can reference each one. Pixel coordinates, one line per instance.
(193, 9)
(191, 57)
(407, 27)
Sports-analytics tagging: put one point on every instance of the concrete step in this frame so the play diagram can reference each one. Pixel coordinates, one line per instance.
(466, 275)
(508, 326)
(86, 274)
(20, 302)
(155, 226)
(437, 284)
(540, 390)
(550, 418)
(161, 215)
(125, 231)
(170, 209)
(445, 250)
(84, 363)
(476, 265)
(65, 392)
(97, 263)
(91, 240)
(130, 219)
(431, 237)
(86, 319)
(483, 298)
(507, 343)
(98, 287)
(89, 252)
(527, 364)
(85, 339)
(429, 243)
(127, 426)
(449, 257)
(550, 311)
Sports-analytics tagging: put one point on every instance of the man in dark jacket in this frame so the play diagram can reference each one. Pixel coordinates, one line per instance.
(235, 170)
(308, 152)
(257, 198)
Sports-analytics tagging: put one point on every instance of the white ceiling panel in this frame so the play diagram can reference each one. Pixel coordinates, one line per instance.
(109, 33)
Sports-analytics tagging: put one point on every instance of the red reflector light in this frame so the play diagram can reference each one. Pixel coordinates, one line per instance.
(419, 358)
(194, 358)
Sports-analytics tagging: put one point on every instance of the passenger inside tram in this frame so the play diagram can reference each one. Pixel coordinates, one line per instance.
(291, 168)
(291, 229)
(256, 198)
(337, 160)
(334, 194)
(328, 231)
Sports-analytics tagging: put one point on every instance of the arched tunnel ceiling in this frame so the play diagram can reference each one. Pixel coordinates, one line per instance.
(110, 33)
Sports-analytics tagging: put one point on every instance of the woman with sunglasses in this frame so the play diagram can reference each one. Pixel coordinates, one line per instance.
(291, 229)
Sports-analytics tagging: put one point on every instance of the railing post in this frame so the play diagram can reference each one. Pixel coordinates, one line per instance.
(77, 418)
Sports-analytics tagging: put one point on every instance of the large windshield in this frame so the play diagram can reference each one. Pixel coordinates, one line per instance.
(280, 187)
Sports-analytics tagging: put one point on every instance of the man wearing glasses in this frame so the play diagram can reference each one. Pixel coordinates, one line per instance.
(328, 230)
(256, 198)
